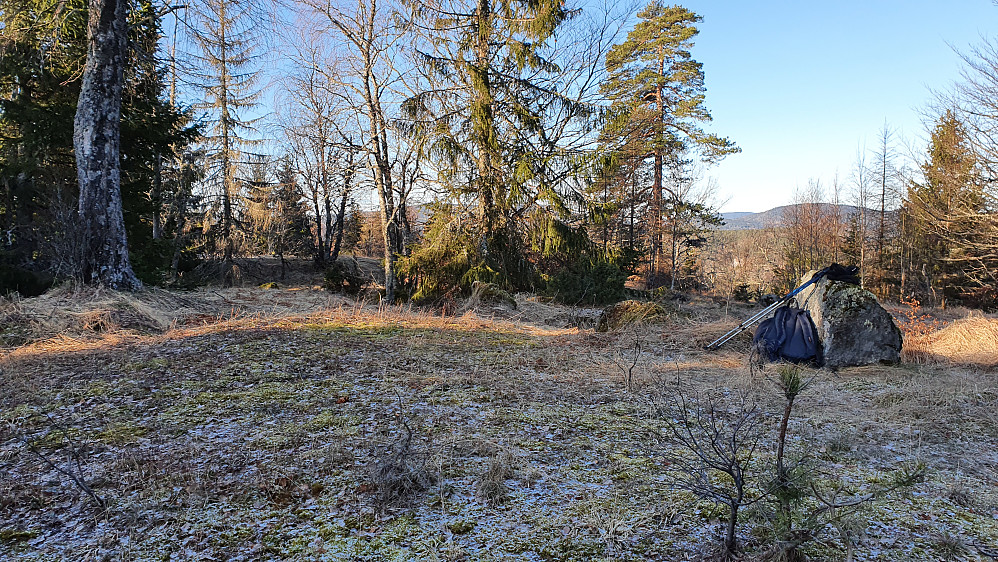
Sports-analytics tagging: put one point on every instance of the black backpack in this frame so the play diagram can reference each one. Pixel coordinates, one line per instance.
(790, 335)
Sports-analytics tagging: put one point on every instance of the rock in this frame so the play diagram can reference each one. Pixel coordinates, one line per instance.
(768, 299)
(854, 329)
(627, 312)
(489, 293)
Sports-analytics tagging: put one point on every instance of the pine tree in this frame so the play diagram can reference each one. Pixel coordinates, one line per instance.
(280, 216)
(658, 93)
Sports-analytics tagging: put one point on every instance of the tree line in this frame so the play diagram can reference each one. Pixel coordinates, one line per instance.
(549, 148)
(921, 226)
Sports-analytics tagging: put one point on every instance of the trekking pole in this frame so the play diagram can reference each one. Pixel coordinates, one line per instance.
(762, 313)
(744, 325)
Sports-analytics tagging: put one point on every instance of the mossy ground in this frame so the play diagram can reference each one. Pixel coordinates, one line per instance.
(255, 440)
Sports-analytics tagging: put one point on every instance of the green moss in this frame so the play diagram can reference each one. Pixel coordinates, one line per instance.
(122, 434)
(56, 439)
(150, 364)
(368, 332)
(16, 414)
(329, 419)
(628, 312)
(490, 292)
(16, 535)
(100, 389)
(333, 532)
(461, 527)
(400, 529)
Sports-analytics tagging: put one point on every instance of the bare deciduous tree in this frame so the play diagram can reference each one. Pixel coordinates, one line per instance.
(314, 126)
(369, 39)
(716, 441)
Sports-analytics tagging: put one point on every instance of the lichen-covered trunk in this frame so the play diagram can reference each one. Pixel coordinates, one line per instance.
(97, 141)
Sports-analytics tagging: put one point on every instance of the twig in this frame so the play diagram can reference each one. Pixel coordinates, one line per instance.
(74, 456)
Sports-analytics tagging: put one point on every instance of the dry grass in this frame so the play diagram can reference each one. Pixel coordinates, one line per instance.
(971, 340)
(271, 424)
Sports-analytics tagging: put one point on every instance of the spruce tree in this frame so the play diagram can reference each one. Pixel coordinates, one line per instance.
(42, 54)
(41, 58)
(952, 232)
(484, 115)
(224, 35)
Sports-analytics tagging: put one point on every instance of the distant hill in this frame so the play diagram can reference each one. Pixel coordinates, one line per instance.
(773, 217)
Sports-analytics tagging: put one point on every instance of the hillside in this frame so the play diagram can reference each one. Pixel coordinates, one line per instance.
(773, 217)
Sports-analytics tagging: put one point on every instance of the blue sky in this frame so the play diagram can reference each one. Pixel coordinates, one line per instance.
(799, 86)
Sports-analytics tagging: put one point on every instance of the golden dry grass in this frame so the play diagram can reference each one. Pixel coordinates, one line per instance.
(972, 340)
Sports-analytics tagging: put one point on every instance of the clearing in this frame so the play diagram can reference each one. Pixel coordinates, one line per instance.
(291, 424)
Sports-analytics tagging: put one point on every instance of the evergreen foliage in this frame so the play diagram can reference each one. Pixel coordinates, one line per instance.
(153, 133)
(344, 277)
(445, 260)
(657, 90)
(225, 74)
(42, 51)
(487, 124)
(576, 270)
(949, 218)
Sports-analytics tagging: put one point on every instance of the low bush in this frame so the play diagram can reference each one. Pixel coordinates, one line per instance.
(344, 277)
(599, 283)
(15, 278)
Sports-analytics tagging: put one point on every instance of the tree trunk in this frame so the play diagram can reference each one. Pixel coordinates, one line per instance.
(341, 215)
(228, 181)
(730, 542)
(181, 237)
(157, 197)
(327, 249)
(97, 141)
(320, 258)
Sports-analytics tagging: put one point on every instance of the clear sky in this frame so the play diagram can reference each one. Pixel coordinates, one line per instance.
(800, 85)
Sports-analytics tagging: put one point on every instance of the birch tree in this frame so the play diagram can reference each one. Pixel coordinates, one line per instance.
(317, 126)
(97, 141)
(370, 38)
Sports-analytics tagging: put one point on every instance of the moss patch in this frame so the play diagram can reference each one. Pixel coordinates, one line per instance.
(628, 312)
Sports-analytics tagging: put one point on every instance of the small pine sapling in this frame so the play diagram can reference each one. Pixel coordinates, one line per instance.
(809, 500)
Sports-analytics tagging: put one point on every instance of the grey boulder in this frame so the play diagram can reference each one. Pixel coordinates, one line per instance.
(854, 329)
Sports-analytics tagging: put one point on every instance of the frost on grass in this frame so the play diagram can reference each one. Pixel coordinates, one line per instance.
(357, 433)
